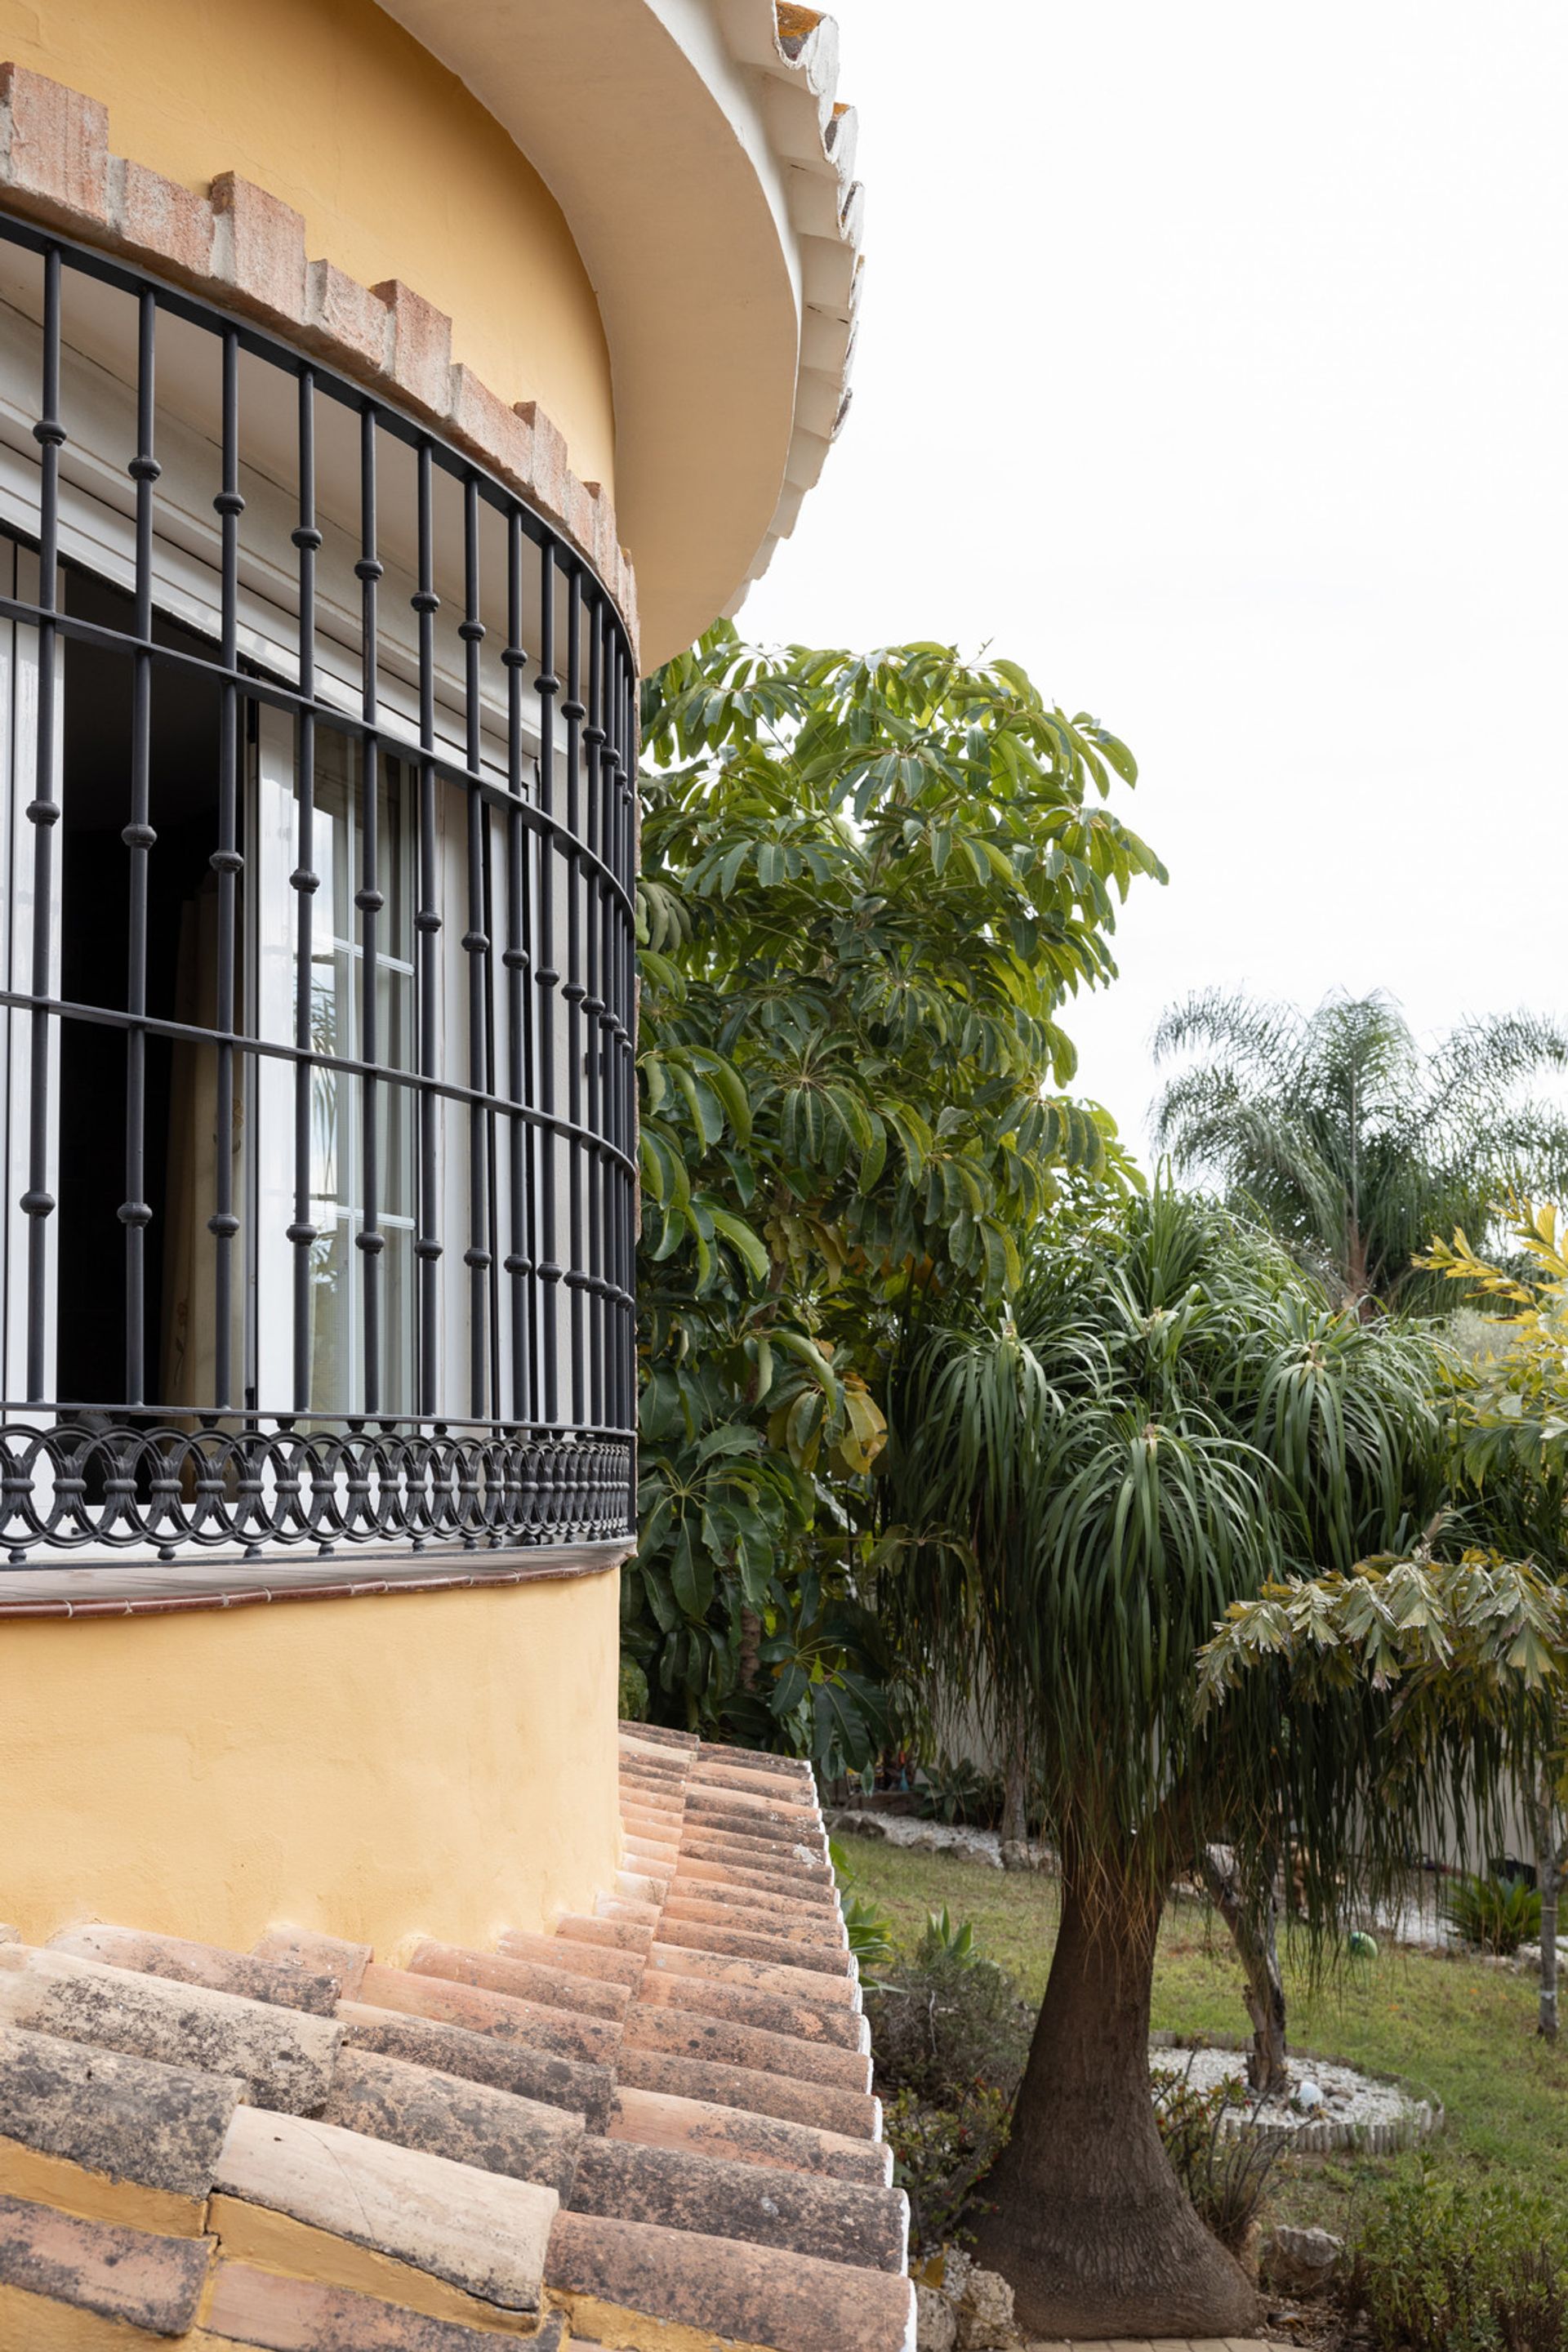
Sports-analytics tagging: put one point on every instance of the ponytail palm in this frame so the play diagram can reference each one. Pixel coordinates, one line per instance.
(1171, 1417)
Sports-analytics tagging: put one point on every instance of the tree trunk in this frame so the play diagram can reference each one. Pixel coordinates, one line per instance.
(748, 1658)
(1547, 1877)
(1089, 2223)
(1254, 1931)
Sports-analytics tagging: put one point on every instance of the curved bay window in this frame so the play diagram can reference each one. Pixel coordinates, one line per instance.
(316, 958)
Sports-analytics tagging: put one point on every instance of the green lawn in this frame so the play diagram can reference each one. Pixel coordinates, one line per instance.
(1455, 2028)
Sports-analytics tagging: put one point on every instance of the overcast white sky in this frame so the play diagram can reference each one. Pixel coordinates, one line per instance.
(1214, 364)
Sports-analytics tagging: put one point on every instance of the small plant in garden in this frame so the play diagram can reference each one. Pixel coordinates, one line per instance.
(870, 1931)
(1498, 1913)
(958, 1793)
(949, 1945)
(1442, 2267)
(1226, 2173)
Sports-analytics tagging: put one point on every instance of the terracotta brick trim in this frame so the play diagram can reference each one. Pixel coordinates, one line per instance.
(244, 249)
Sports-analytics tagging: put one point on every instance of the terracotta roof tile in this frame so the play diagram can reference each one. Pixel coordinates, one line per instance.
(447, 2115)
(276, 2313)
(854, 2113)
(126, 2276)
(284, 2056)
(588, 1959)
(781, 1924)
(685, 2071)
(478, 2232)
(746, 2293)
(614, 1935)
(681, 1928)
(686, 2033)
(283, 1982)
(580, 2089)
(524, 1979)
(800, 2212)
(322, 1955)
(124, 2118)
(761, 1976)
(839, 2027)
(527, 2022)
(660, 2119)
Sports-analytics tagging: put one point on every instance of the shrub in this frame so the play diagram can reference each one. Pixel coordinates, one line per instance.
(1444, 2267)
(950, 2034)
(956, 1792)
(939, 2155)
(946, 2021)
(1498, 1914)
(1226, 2173)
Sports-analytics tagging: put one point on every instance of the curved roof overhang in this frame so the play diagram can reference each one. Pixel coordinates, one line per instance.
(705, 170)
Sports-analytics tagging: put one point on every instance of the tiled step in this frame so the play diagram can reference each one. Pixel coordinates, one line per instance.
(737, 2293)
(284, 1983)
(529, 2074)
(798, 2212)
(283, 2056)
(446, 2115)
(526, 2022)
(113, 2138)
(524, 1979)
(120, 2287)
(660, 2119)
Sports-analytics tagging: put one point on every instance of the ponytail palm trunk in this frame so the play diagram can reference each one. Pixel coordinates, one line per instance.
(1170, 1414)
(1088, 2222)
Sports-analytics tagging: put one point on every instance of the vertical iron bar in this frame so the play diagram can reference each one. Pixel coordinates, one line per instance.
(547, 685)
(515, 963)
(139, 836)
(227, 863)
(476, 947)
(602, 1175)
(626, 1036)
(43, 813)
(369, 1240)
(427, 923)
(519, 1262)
(573, 711)
(304, 881)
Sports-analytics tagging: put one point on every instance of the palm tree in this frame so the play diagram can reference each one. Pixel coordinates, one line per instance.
(1353, 1146)
(1171, 1415)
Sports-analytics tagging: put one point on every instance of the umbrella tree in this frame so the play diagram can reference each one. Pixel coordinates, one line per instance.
(1170, 1415)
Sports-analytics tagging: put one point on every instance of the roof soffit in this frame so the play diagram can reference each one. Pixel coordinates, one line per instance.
(698, 154)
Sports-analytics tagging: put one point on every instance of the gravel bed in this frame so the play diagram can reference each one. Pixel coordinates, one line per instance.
(1357, 2110)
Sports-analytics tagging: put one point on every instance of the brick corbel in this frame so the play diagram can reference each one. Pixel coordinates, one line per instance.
(243, 248)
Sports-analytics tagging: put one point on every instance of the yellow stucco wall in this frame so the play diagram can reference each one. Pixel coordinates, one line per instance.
(436, 1763)
(398, 170)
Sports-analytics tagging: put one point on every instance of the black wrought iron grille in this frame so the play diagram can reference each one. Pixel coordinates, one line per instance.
(319, 994)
